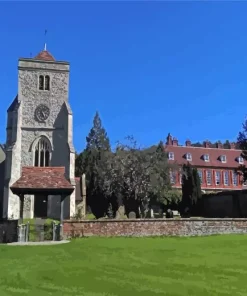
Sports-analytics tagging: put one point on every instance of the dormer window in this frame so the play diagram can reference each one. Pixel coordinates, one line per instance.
(206, 157)
(44, 82)
(188, 156)
(171, 156)
(223, 158)
(240, 160)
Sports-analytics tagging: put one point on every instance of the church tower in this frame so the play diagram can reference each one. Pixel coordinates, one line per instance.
(39, 133)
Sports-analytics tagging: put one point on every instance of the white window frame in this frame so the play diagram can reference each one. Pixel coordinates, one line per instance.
(223, 158)
(173, 177)
(217, 178)
(171, 155)
(189, 156)
(180, 177)
(200, 174)
(234, 178)
(206, 157)
(209, 175)
(240, 160)
(226, 173)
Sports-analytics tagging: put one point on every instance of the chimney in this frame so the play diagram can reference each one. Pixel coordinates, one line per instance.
(232, 145)
(174, 142)
(206, 144)
(169, 139)
(188, 143)
(219, 145)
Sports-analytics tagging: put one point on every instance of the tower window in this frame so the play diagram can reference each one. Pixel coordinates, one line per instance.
(47, 82)
(44, 82)
(41, 82)
(42, 153)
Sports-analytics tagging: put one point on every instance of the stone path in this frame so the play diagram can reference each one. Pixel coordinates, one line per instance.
(47, 243)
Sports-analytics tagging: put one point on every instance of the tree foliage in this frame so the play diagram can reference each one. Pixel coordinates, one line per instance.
(242, 143)
(130, 175)
(136, 173)
(97, 138)
(191, 186)
(90, 162)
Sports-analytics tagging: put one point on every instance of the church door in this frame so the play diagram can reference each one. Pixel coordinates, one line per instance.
(40, 206)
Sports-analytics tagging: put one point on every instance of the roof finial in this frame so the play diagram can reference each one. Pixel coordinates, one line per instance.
(45, 39)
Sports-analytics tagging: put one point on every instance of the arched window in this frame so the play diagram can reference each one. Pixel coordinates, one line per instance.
(41, 82)
(47, 82)
(42, 153)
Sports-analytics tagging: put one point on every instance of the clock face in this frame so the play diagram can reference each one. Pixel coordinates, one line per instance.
(42, 112)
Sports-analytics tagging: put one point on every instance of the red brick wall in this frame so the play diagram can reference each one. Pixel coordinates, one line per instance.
(153, 227)
(213, 186)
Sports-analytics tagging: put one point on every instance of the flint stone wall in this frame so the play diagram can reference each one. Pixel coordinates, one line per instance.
(153, 227)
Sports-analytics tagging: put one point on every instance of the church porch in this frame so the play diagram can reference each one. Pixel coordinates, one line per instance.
(42, 182)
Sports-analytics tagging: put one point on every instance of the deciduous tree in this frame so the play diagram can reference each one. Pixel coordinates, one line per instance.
(136, 173)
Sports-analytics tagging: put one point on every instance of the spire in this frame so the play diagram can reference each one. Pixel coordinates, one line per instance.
(45, 55)
(45, 40)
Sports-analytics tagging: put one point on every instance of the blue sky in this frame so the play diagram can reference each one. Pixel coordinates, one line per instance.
(149, 68)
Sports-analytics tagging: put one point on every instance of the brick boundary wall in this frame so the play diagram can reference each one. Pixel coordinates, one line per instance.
(153, 227)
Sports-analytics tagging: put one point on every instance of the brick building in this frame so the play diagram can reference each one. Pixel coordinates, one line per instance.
(216, 166)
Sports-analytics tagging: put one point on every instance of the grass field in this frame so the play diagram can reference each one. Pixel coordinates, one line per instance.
(215, 265)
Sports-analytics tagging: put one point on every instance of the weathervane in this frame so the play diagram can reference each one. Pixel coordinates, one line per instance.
(45, 39)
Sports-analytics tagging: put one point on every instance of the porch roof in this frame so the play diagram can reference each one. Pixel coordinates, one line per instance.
(43, 180)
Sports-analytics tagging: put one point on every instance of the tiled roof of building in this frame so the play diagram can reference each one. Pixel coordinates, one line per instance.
(42, 178)
(45, 55)
(197, 155)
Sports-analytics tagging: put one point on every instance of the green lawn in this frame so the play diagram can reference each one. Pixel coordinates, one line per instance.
(199, 266)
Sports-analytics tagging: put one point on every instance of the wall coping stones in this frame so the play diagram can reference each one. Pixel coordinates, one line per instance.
(154, 220)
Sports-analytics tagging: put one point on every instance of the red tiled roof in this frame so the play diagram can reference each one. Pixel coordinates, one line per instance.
(42, 178)
(44, 55)
(197, 156)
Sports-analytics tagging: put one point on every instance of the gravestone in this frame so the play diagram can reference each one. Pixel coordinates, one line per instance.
(169, 214)
(120, 212)
(132, 215)
(22, 233)
(39, 227)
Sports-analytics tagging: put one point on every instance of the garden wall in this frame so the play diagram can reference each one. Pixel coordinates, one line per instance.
(153, 227)
(231, 204)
